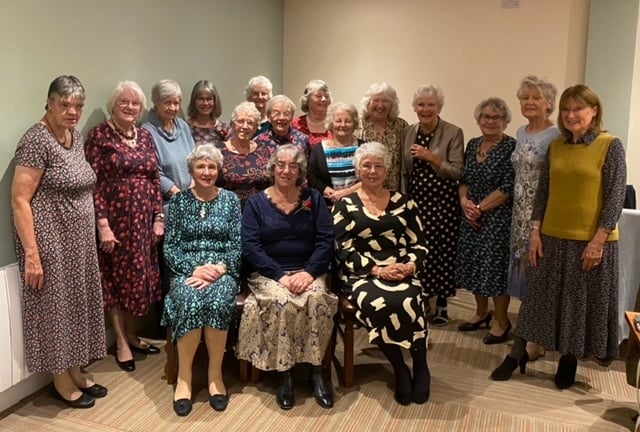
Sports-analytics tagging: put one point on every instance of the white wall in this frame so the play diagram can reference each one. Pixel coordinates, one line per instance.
(227, 41)
(472, 48)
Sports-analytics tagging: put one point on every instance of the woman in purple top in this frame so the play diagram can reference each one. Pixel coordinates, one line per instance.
(287, 237)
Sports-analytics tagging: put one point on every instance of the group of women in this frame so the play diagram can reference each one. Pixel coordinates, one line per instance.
(400, 213)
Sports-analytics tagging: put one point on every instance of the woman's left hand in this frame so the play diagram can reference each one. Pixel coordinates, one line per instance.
(300, 282)
(158, 231)
(420, 152)
(196, 282)
(339, 194)
(592, 255)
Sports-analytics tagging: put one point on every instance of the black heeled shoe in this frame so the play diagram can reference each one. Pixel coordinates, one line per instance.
(490, 339)
(285, 395)
(127, 365)
(84, 401)
(322, 391)
(182, 407)
(566, 373)
(510, 364)
(219, 402)
(473, 326)
(147, 350)
(95, 391)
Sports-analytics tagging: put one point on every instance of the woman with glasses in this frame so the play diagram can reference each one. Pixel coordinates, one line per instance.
(204, 111)
(485, 193)
(280, 111)
(287, 238)
(379, 248)
(129, 217)
(244, 170)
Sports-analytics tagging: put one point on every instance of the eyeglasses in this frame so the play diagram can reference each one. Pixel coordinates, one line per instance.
(278, 114)
(372, 167)
(488, 118)
(205, 99)
(125, 103)
(294, 166)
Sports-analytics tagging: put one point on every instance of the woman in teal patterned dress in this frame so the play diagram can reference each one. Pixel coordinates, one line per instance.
(202, 248)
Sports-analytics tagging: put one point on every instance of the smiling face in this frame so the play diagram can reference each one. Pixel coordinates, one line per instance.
(169, 108)
(205, 103)
(379, 107)
(280, 118)
(64, 112)
(287, 170)
(204, 173)
(533, 105)
(244, 126)
(372, 172)
(577, 118)
(492, 122)
(319, 101)
(127, 108)
(427, 109)
(259, 96)
(343, 125)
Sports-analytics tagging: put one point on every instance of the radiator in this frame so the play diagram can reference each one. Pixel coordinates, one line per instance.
(14, 367)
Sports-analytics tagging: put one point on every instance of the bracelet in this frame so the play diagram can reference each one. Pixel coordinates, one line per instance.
(606, 230)
(379, 272)
(224, 266)
(478, 207)
(533, 226)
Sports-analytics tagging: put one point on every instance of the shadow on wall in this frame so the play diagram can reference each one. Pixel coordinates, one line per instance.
(7, 252)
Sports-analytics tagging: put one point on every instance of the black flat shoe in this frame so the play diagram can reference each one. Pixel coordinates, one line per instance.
(403, 393)
(95, 391)
(322, 391)
(490, 339)
(285, 396)
(182, 407)
(84, 401)
(148, 350)
(510, 364)
(219, 402)
(473, 326)
(127, 365)
(566, 373)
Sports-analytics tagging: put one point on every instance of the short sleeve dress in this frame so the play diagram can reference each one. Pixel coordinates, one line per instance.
(64, 321)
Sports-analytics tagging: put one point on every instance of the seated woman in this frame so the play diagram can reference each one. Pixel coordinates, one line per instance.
(287, 236)
(379, 248)
(202, 249)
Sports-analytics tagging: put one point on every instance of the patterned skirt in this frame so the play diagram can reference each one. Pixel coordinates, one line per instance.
(570, 310)
(279, 329)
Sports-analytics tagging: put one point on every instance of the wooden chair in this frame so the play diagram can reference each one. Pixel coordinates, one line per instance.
(345, 317)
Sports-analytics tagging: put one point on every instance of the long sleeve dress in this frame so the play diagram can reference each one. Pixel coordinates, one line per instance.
(392, 312)
(202, 232)
(279, 328)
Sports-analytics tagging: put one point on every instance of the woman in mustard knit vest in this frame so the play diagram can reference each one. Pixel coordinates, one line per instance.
(572, 302)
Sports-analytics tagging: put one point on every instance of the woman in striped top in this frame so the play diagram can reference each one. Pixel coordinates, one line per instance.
(331, 169)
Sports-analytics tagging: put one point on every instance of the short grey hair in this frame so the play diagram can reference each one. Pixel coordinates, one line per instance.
(206, 151)
(165, 89)
(280, 99)
(497, 104)
(312, 86)
(546, 89)
(429, 90)
(120, 88)
(299, 157)
(246, 108)
(385, 89)
(372, 149)
(341, 106)
(65, 86)
(205, 87)
(255, 81)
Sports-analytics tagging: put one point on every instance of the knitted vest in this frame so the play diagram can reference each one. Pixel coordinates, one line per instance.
(575, 189)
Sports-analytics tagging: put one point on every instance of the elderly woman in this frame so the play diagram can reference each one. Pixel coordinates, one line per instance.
(205, 108)
(54, 232)
(202, 249)
(485, 193)
(331, 169)
(537, 101)
(129, 216)
(380, 122)
(314, 103)
(280, 111)
(287, 238)
(259, 91)
(172, 137)
(572, 300)
(244, 170)
(433, 154)
(379, 247)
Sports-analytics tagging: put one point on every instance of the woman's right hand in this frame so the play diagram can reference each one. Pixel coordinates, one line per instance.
(535, 247)
(108, 240)
(33, 273)
(208, 272)
(471, 212)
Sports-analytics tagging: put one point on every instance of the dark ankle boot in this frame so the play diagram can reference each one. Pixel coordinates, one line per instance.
(401, 373)
(505, 370)
(421, 384)
(566, 373)
(285, 395)
(322, 391)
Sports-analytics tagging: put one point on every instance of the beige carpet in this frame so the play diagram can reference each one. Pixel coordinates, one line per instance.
(463, 398)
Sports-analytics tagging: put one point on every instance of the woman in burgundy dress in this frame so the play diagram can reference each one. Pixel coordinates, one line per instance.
(129, 217)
